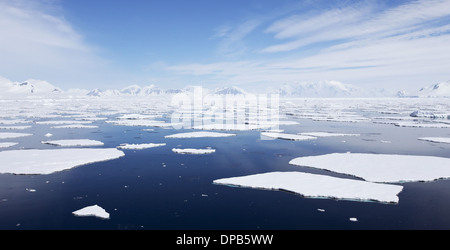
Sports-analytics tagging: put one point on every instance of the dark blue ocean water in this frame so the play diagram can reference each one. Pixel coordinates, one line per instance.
(158, 189)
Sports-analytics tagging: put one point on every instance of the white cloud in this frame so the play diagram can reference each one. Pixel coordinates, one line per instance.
(36, 41)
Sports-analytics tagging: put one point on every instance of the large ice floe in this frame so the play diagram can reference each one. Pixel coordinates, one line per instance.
(318, 186)
(140, 146)
(200, 134)
(380, 167)
(36, 161)
(74, 143)
(94, 210)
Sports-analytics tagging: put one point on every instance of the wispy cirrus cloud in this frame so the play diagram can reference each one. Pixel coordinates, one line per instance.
(370, 43)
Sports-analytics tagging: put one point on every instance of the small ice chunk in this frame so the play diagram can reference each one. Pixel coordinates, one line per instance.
(353, 219)
(193, 151)
(13, 135)
(436, 139)
(140, 146)
(94, 210)
(318, 186)
(199, 135)
(48, 135)
(73, 143)
(284, 136)
(381, 167)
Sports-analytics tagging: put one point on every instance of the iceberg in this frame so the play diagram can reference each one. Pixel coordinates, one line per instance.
(193, 151)
(199, 135)
(436, 139)
(94, 210)
(13, 135)
(73, 143)
(318, 186)
(36, 161)
(140, 146)
(380, 167)
(284, 136)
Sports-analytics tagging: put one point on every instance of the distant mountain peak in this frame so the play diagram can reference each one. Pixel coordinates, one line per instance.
(441, 89)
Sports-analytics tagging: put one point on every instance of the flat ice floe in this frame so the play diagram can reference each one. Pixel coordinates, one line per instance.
(199, 135)
(13, 135)
(436, 139)
(421, 125)
(318, 186)
(36, 161)
(381, 167)
(7, 144)
(194, 151)
(74, 143)
(15, 127)
(140, 146)
(326, 134)
(284, 136)
(75, 126)
(94, 210)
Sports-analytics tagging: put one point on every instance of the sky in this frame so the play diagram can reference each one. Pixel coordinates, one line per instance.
(252, 44)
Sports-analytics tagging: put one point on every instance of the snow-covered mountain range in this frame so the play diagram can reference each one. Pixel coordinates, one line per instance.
(321, 89)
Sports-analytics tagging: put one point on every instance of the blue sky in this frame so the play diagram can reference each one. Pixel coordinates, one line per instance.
(252, 44)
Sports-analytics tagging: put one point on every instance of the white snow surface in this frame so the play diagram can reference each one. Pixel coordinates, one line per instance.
(8, 135)
(285, 136)
(73, 143)
(94, 210)
(199, 135)
(436, 139)
(318, 186)
(381, 167)
(36, 161)
(193, 151)
(140, 146)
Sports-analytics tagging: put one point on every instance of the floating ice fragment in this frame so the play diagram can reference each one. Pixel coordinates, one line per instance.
(73, 143)
(326, 134)
(94, 210)
(292, 137)
(436, 139)
(140, 146)
(7, 144)
(318, 186)
(199, 135)
(13, 135)
(193, 151)
(381, 167)
(353, 219)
